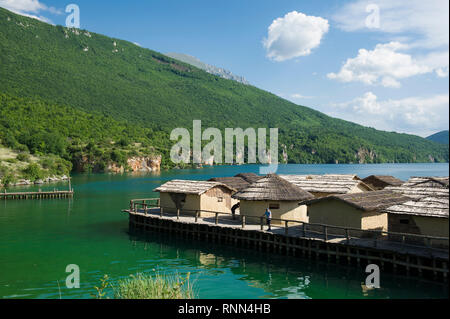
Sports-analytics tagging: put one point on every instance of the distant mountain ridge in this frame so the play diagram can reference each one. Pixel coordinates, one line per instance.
(207, 67)
(439, 137)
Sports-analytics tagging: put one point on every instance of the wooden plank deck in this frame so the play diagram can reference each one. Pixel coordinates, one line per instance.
(36, 195)
(296, 231)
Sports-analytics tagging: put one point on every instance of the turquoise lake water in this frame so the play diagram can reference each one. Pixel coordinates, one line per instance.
(39, 238)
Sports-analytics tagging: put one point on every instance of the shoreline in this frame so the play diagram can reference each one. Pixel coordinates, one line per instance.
(47, 180)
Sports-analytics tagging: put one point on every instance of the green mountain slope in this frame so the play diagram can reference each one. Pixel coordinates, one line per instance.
(439, 137)
(148, 90)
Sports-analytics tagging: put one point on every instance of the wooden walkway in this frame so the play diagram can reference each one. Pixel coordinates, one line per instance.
(297, 231)
(36, 195)
(294, 240)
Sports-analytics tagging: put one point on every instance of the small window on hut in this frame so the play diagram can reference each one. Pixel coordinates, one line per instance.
(274, 206)
(220, 199)
(404, 221)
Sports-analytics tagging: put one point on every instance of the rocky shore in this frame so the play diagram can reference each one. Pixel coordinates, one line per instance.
(50, 179)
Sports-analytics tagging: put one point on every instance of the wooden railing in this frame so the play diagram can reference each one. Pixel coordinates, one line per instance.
(304, 229)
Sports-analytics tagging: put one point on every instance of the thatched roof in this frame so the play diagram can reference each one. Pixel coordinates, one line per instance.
(368, 201)
(426, 206)
(189, 187)
(272, 187)
(430, 197)
(239, 181)
(427, 181)
(417, 192)
(331, 184)
(381, 181)
(249, 177)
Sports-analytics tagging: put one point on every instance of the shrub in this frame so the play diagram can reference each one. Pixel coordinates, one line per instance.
(21, 148)
(23, 157)
(46, 163)
(8, 179)
(33, 172)
(119, 157)
(123, 142)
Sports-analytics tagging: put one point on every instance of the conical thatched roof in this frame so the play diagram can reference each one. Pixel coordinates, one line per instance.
(249, 177)
(273, 187)
(235, 182)
(239, 181)
(436, 182)
(381, 181)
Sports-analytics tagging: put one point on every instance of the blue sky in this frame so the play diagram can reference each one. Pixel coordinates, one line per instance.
(379, 63)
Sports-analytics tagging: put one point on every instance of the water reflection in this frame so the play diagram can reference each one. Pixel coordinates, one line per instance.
(278, 276)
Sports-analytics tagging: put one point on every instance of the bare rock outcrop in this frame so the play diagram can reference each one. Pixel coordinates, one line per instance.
(145, 164)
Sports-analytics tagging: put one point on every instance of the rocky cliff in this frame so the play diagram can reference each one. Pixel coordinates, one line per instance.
(138, 164)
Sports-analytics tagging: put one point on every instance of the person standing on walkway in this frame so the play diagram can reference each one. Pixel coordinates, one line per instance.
(268, 215)
(233, 209)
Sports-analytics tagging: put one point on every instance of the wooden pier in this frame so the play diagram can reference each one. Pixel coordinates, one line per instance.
(36, 195)
(408, 254)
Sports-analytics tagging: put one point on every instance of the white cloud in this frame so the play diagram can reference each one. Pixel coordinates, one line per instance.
(29, 8)
(294, 35)
(385, 65)
(421, 26)
(438, 61)
(424, 23)
(23, 5)
(416, 115)
(298, 96)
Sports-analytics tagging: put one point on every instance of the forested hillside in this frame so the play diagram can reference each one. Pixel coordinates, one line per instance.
(72, 92)
(439, 137)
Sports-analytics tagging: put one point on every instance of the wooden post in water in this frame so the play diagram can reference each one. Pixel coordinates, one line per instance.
(286, 228)
(178, 213)
(325, 232)
(261, 220)
(217, 218)
(243, 221)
